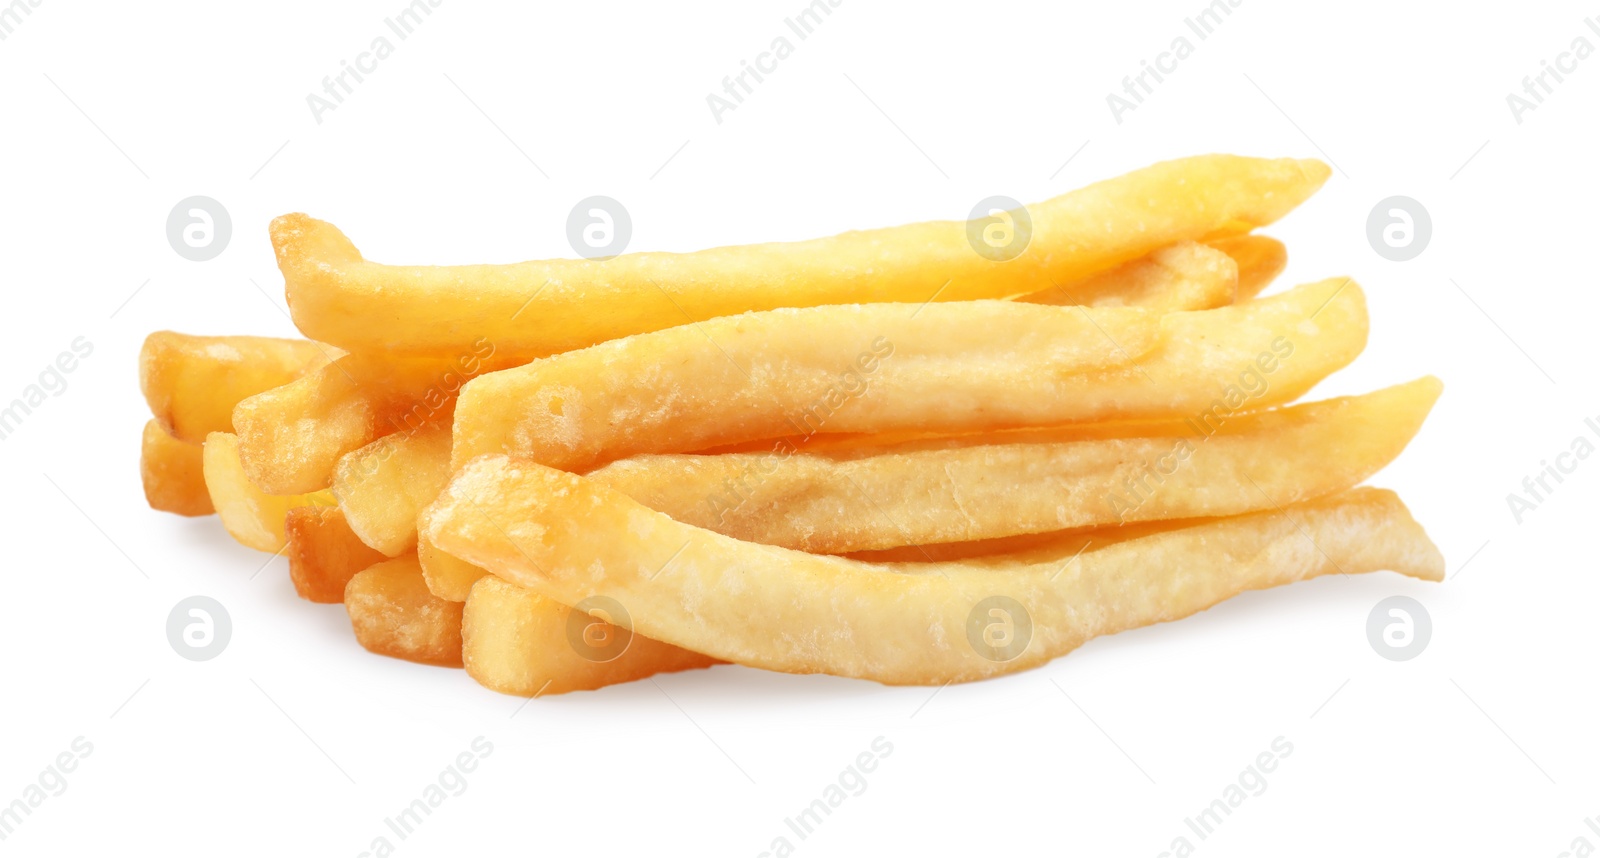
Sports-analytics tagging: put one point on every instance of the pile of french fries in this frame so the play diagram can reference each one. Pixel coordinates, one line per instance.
(883, 455)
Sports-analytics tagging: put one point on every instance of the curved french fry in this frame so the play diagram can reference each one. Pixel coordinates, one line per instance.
(948, 368)
(541, 308)
(1184, 276)
(393, 614)
(252, 517)
(193, 383)
(571, 539)
(172, 472)
(1260, 259)
(516, 641)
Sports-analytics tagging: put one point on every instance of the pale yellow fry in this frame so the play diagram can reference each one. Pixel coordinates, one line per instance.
(382, 486)
(541, 308)
(193, 383)
(516, 641)
(324, 554)
(571, 539)
(950, 368)
(1184, 276)
(172, 473)
(252, 517)
(393, 614)
(1260, 259)
(447, 576)
(1031, 482)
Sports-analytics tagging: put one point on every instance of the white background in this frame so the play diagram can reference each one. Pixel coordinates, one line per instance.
(472, 142)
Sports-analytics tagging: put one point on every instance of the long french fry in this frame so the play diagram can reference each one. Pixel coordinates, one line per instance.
(393, 614)
(946, 368)
(570, 539)
(324, 554)
(193, 383)
(252, 517)
(1184, 276)
(516, 641)
(541, 308)
(1030, 482)
(172, 472)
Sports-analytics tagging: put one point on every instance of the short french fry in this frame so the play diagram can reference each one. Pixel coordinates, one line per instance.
(516, 641)
(1260, 260)
(172, 472)
(393, 614)
(534, 309)
(943, 368)
(192, 383)
(252, 517)
(292, 436)
(324, 554)
(382, 486)
(1008, 484)
(1184, 276)
(447, 577)
(570, 539)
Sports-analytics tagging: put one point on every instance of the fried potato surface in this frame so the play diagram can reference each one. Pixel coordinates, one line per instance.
(1030, 482)
(1260, 260)
(1183, 276)
(571, 539)
(324, 554)
(193, 383)
(941, 368)
(252, 517)
(393, 614)
(447, 576)
(516, 641)
(541, 308)
(172, 472)
(382, 486)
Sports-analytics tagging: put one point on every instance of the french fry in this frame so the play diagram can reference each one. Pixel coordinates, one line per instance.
(534, 309)
(192, 383)
(447, 576)
(516, 641)
(1015, 483)
(571, 539)
(382, 486)
(324, 554)
(1260, 260)
(292, 436)
(1183, 276)
(252, 517)
(172, 473)
(393, 614)
(948, 368)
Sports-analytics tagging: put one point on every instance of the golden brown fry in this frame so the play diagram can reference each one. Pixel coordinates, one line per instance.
(535, 309)
(252, 517)
(382, 486)
(324, 554)
(1260, 259)
(173, 476)
(1184, 276)
(447, 576)
(393, 614)
(571, 539)
(292, 436)
(949, 368)
(192, 383)
(518, 642)
(1003, 485)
